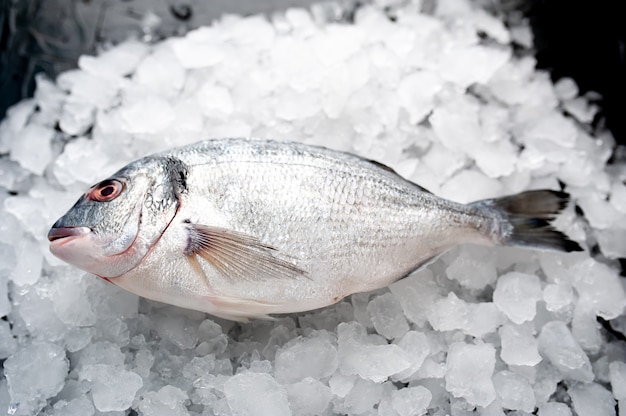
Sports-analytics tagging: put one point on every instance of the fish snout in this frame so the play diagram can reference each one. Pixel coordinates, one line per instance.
(59, 233)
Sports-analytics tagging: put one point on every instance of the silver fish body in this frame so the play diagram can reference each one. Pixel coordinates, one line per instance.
(243, 228)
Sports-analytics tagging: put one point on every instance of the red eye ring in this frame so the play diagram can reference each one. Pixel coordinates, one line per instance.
(106, 190)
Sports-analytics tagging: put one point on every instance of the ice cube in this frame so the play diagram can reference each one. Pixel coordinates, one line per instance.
(465, 65)
(557, 344)
(118, 61)
(32, 148)
(417, 293)
(469, 186)
(308, 397)
(34, 374)
(160, 72)
(474, 267)
(469, 371)
(417, 347)
(306, 357)
(617, 374)
(449, 313)
(169, 400)
(200, 48)
(516, 295)
(29, 261)
(72, 305)
(416, 93)
(612, 242)
(215, 101)
(341, 385)
(8, 344)
(176, 329)
(147, 115)
(113, 388)
(519, 347)
(365, 394)
(372, 361)
(554, 409)
(566, 88)
(599, 286)
(387, 316)
(585, 328)
(592, 400)
(514, 391)
(558, 296)
(77, 117)
(411, 401)
(256, 394)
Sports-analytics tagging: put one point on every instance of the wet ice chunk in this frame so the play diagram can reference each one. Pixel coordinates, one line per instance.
(387, 316)
(516, 295)
(77, 117)
(416, 93)
(176, 329)
(411, 400)
(256, 394)
(146, 115)
(215, 101)
(29, 261)
(514, 391)
(599, 286)
(31, 148)
(557, 344)
(476, 319)
(169, 400)
(308, 397)
(469, 371)
(160, 72)
(474, 267)
(592, 400)
(519, 347)
(585, 327)
(116, 62)
(469, 186)
(34, 374)
(417, 293)
(416, 345)
(77, 407)
(8, 344)
(368, 356)
(558, 296)
(617, 375)
(362, 398)
(114, 388)
(305, 357)
(554, 409)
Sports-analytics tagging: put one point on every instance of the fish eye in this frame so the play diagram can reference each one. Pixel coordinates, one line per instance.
(106, 190)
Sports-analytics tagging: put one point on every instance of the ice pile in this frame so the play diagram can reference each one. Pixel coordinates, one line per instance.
(438, 95)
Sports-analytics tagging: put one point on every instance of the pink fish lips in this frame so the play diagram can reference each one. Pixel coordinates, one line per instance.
(64, 240)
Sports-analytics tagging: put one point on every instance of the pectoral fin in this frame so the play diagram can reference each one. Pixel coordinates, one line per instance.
(238, 256)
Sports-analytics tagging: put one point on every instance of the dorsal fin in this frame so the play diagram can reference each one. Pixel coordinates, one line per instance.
(388, 169)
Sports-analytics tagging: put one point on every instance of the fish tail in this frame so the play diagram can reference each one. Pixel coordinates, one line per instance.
(524, 220)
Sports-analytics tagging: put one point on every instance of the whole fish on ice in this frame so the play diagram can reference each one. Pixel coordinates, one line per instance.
(244, 228)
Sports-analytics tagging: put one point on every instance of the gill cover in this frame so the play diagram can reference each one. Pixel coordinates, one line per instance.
(121, 218)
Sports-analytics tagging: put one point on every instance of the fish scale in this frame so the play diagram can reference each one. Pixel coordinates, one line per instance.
(244, 228)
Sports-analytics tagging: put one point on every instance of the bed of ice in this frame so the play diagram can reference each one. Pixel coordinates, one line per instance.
(437, 94)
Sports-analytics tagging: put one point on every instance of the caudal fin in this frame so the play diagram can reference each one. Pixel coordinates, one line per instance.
(528, 215)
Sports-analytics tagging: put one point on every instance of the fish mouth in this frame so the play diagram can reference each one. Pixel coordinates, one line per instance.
(60, 235)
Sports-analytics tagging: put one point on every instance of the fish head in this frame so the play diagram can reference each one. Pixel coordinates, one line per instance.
(114, 225)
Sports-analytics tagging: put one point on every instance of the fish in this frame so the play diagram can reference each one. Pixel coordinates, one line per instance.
(246, 228)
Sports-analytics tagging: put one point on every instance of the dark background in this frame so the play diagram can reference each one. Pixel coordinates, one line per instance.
(574, 38)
